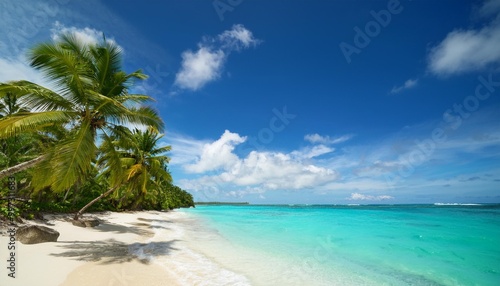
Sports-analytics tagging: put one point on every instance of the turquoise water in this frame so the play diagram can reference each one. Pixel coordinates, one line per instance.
(371, 245)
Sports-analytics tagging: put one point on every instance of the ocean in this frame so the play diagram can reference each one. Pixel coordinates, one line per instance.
(441, 244)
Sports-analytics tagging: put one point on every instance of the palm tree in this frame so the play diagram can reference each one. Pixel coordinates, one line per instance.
(146, 164)
(135, 164)
(91, 100)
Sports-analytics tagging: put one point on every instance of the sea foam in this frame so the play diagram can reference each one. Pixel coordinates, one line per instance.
(188, 266)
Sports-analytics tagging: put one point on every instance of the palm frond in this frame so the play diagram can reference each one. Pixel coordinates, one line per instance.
(73, 158)
(111, 160)
(142, 115)
(34, 96)
(135, 98)
(161, 150)
(162, 175)
(29, 122)
(108, 63)
(42, 175)
(66, 64)
(104, 104)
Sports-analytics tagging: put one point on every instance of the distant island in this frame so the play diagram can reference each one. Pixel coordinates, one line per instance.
(221, 203)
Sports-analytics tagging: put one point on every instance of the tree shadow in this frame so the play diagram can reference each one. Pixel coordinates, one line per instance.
(120, 228)
(112, 251)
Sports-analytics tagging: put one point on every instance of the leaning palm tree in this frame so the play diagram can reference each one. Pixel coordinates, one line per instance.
(146, 164)
(134, 164)
(91, 99)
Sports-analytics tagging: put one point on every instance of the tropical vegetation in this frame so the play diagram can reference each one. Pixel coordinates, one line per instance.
(70, 147)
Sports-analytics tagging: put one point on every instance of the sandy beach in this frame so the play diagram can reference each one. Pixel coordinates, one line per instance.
(134, 248)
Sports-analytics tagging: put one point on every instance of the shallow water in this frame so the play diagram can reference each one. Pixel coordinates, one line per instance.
(351, 245)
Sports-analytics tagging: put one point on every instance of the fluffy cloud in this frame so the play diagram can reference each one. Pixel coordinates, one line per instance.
(218, 154)
(199, 68)
(361, 197)
(258, 172)
(469, 50)
(277, 171)
(407, 85)
(205, 65)
(85, 35)
(316, 138)
(360, 172)
(237, 38)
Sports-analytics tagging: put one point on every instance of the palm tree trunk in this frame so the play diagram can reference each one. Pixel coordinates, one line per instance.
(21, 167)
(66, 195)
(69, 189)
(79, 213)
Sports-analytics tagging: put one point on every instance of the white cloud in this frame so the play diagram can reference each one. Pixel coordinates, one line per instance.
(316, 138)
(218, 154)
(361, 197)
(85, 35)
(19, 69)
(407, 85)
(311, 152)
(354, 184)
(237, 38)
(205, 65)
(247, 191)
(469, 50)
(257, 171)
(277, 171)
(199, 68)
(185, 150)
(464, 51)
(369, 170)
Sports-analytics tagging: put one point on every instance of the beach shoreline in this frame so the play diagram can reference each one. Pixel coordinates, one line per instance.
(127, 248)
(265, 246)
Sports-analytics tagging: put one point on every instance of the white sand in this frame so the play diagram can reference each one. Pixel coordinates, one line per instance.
(128, 249)
(123, 250)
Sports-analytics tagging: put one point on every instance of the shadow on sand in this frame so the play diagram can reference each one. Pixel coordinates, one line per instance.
(112, 251)
(139, 229)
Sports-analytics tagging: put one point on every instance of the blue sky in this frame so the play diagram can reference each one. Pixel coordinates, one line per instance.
(303, 101)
